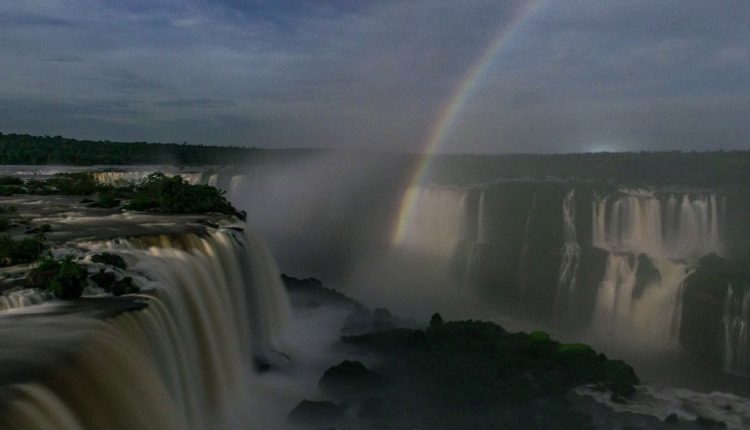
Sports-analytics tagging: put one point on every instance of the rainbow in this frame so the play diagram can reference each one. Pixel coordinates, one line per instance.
(448, 114)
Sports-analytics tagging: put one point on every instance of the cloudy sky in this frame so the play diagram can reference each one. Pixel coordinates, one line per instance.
(574, 75)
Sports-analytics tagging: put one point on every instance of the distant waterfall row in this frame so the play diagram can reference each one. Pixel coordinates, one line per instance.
(214, 306)
(622, 266)
(674, 226)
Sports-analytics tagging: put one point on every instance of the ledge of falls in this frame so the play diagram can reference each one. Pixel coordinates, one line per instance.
(181, 353)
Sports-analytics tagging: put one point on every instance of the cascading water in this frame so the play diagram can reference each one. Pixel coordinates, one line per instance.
(652, 241)
(214, 306)
(22, 297)
(736, 322)
(639, 308)
(436, 225)
(571, 255)
(640, 221)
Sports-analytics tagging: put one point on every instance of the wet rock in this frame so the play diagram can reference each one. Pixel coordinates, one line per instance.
(110, 260)
(104, 279)
(310, 412)
(124, 286)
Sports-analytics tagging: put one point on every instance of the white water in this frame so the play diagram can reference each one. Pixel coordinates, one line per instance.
(214, 305)
(436, 222)
(672, 233)
(571, 254)
(736, 322)
(22, 297)
(651, 319)
(682, 226)
(687, 405)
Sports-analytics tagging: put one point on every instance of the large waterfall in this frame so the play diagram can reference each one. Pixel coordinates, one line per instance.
(678, 226)
(214, 308)
(652, 241)
(436, 223)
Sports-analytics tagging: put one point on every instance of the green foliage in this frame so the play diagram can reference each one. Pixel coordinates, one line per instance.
(73, 184)
(27, 149)
(5, 212)
(161, 193)
(64, 278)
(10, 181)
(20, 251)
(474, 374)
(107, 200)
(436, 320)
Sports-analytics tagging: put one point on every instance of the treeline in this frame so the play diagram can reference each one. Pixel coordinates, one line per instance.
(38, 150)
(672, 168)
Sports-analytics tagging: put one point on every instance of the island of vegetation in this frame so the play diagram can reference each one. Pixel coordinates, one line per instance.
(451, 374)
(66, 277)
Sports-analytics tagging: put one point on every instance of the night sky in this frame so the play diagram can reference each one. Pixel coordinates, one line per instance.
(572, 75)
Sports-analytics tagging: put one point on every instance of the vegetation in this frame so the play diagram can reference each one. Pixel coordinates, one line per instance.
(20, 251)
(27, 149)
(156, 193)
(5, 216)
(473, 374)
(64, 278)
(73, 184)
(161, 193)
(635, 168)
(10, 181)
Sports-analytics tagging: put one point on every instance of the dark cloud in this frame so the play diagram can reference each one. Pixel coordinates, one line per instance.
(195, 103)
(577, 75)
(28, 19)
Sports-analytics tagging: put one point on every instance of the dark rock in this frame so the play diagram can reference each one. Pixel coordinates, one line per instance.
(208, 223)
(124, 286)
(262, 365)
(672, 419)
(349, 379)
(310, 412)
(109, 259)
(44, 228)
(709, 423)
(104, 279)
(646, 275)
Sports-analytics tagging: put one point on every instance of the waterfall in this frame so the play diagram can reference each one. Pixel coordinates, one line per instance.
(435, 225)
(736, 323)
(22, 297)
(638, 304)
(571, 254)
(214, 306)
(641, 221)
(653, 241)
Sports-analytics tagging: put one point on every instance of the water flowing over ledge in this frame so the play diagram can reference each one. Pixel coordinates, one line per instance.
(213, 309)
